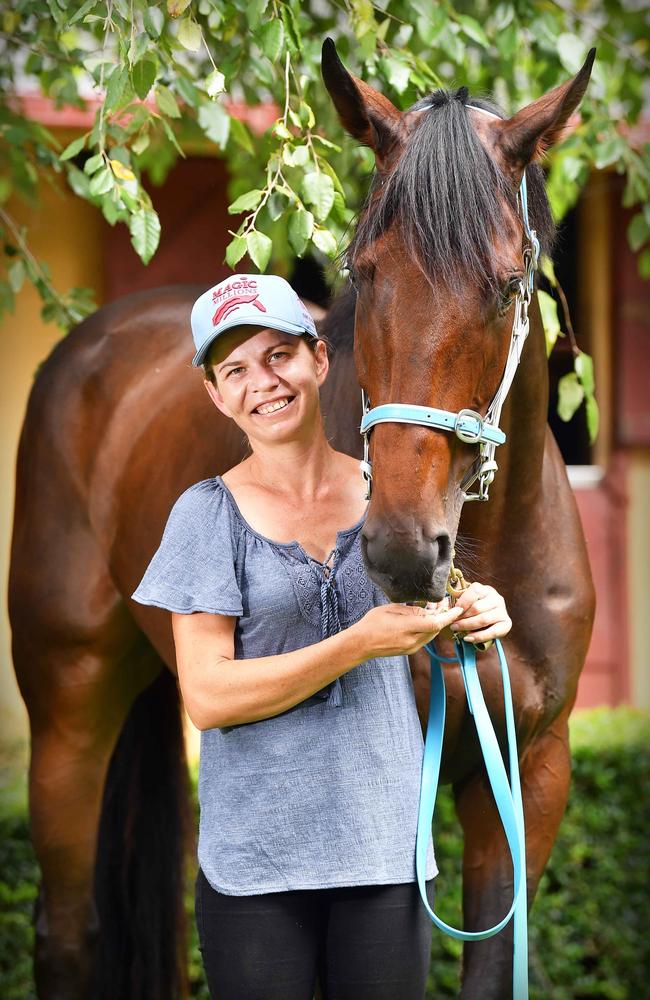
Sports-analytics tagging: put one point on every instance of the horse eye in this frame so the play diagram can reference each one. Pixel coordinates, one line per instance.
(509, 288)
(513, 285)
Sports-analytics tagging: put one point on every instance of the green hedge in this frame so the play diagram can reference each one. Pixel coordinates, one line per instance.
(588, 930)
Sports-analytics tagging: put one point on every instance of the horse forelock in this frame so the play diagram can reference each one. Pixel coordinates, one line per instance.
(447, 196)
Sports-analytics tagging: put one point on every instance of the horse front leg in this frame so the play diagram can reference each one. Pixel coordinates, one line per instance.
(487, 867)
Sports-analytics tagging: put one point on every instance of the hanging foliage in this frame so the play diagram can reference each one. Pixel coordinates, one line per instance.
(167, 75)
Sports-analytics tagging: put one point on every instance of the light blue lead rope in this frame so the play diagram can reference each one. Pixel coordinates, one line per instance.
(507, 795)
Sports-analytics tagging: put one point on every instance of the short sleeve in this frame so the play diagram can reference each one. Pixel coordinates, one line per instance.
(194, 568)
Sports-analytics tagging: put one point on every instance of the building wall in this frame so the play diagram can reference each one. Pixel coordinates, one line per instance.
(65, 233)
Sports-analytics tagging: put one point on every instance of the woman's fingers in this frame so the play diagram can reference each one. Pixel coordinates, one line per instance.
(496, 631)
(485, 603)
(475, 592)
(480, 621)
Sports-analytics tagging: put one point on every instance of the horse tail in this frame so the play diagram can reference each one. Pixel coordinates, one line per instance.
(141, 849)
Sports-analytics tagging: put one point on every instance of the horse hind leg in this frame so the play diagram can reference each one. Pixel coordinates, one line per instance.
(81, 663)
(76, 714)
(487, 867)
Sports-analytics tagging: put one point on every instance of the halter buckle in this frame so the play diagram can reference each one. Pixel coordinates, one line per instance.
(466, 434)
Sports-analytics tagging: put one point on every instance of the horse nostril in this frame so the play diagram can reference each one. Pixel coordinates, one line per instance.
(442, 548)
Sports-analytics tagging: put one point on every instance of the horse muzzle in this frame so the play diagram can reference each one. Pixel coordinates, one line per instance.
(406, 563)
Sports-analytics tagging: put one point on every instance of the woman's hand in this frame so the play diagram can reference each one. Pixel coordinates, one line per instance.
(484, 614)
(392, 629)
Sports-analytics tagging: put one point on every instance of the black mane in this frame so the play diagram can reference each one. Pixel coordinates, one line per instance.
(446, 194)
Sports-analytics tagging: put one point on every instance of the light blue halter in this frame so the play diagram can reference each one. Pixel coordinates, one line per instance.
(473, 428)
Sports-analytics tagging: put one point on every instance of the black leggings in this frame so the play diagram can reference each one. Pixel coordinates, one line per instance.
(361, 943)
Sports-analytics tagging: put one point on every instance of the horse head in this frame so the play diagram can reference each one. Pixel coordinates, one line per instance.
(437, 258)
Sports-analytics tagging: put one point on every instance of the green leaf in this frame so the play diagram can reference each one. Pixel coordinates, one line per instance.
(301, 226)
(189, 34)
(82, 11)
(397, 74)
(118, 90)
(318, 190)
(93, 163)
(430, 24)
(295, 156)
(254, 12)
(78, 181)
(259, 248)
(570, 396)
(550, 321)
(291, 29)
(473, 30)
(271, 38)
(167, 102)
(572, 51)
(101, 183)
(246, 202)
(235, 251)
(277, 205)
(507, 41)
(16, 273)
(325, 241)
(215, 83)
(548, 269)
(326, 142)
(327, 167)
(144, 75)
(584, 367)
(215, 122)
(638, 231)
(169, 132)
(145, 233)
(176, 7)
(240, 134)
(281, 130)
(140, 143)
(153, 19)
(609, 152)
(75, 147)
(593, 418)
(7, 298)
(306, 114)
(187, 91)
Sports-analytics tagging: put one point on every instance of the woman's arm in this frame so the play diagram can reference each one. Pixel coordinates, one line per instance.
(221, 691)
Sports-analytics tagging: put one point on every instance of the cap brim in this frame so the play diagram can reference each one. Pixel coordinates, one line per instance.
(266, 323)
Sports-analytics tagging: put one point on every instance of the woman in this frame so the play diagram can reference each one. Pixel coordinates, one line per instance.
(294, 667)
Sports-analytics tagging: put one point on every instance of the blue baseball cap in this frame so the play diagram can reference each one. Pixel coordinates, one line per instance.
(264, 300)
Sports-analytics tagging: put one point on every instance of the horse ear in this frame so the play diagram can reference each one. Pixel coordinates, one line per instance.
(365, 113)
(528, 134)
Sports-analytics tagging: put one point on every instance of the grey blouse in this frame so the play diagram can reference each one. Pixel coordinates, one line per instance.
(325, 794)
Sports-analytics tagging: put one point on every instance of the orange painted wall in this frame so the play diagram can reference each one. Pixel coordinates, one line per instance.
(65, 233)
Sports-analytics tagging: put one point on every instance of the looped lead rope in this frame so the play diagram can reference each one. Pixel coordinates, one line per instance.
(506, 791)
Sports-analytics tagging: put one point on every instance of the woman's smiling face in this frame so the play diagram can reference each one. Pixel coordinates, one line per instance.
(267, 381)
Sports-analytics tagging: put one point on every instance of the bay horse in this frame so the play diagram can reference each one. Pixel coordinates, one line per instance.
(117, 427)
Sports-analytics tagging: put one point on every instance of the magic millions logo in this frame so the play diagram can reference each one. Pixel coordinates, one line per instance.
(242, 291)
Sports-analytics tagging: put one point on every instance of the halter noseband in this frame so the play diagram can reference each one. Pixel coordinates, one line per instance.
(468, 425)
